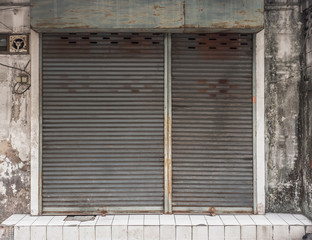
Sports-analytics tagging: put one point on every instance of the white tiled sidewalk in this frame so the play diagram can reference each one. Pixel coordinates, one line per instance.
(162, 227)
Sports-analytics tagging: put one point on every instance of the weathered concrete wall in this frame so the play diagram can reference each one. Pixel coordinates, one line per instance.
(14, 119)
(282, 79)
(306, 112)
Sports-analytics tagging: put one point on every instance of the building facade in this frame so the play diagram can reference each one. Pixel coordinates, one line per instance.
(137, 107)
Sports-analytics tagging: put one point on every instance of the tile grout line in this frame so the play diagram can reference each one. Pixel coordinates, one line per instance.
(175, 227)
(97, 219)
(20, 220)
(223, 228)
(299, 220)
(253, 221)
(128, 226)
(143, 227)
(63, 222)
(273, 226)
(111, 226)
(158, 226)
(191, 226)
(30, 226)
(46, 227)
(240, 227)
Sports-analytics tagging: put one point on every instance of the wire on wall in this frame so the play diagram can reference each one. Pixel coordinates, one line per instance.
(20, 69)
(20, 87)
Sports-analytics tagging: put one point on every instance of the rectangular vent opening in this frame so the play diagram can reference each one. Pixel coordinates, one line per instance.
(4, 43)
(192, 39)
(93, 33)
(64, 37)
(192, 47)
(127, 38)
(155, 42)
(84, 37)
(72, 42)
(93, 42)
(135, 42)
(114, 42)
(105, 38)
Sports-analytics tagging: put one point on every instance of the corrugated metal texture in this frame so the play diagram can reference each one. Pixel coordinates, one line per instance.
(212, 122)
(102, 110)
(162, 15)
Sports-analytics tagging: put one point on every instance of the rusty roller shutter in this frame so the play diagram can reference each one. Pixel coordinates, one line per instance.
(212, 122)
(102, 122)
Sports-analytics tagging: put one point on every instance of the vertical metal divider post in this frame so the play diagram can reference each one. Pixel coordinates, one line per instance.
(254, 123)
(167, 126)
(40, 126)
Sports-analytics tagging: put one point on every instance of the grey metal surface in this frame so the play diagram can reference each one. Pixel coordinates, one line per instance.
(212, 122)
(144, 15)
(103, 114)
(168, 128)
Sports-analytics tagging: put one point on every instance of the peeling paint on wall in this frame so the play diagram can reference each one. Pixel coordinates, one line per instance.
(14, 123)
(9, 152)
(14, 181)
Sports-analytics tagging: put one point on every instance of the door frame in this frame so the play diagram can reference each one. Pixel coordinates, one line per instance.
(258, 124)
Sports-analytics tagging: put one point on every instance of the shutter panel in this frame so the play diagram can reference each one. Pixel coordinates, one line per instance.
(212, 122)
(102, 122)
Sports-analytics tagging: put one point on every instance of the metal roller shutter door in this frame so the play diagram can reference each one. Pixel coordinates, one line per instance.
(102, 122)
(212, 122)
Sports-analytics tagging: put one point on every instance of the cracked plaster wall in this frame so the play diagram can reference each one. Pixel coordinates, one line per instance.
(306, 111)
(288, 89)
(14, 120)
(282, 79)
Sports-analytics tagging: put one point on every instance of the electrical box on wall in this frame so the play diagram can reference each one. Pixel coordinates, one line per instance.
(18, 43)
